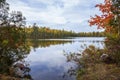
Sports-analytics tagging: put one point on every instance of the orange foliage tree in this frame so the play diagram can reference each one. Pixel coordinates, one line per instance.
(110, 21)
(103, 21)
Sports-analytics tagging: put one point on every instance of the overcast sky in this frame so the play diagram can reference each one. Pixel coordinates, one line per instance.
(58, 14)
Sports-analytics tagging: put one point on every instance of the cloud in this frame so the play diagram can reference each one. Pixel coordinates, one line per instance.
(56, 12)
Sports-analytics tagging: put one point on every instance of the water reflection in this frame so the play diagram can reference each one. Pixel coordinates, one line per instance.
(43, 43)
(47, 64)
(46, 43)
(48, 61)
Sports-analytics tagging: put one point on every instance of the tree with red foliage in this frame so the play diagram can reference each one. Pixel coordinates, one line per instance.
(103, 20)
(110, 21)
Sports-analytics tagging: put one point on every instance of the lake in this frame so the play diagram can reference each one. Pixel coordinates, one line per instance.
(47, 58)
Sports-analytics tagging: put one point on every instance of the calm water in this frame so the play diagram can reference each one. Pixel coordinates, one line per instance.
(47, 60)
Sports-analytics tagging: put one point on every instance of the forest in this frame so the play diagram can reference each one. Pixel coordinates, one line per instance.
(36, 32)
(17, 41)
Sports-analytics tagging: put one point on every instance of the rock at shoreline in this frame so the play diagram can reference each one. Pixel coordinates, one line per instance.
(20, 69)
(106, 58)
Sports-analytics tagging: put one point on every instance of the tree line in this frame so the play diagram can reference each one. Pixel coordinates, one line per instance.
(36, 32)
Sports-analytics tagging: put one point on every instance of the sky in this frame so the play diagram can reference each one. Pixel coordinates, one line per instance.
(58, 14)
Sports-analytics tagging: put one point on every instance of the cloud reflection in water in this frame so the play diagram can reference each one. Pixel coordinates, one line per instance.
(49, 63)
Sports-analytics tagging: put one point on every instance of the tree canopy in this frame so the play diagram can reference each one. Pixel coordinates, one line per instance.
(109, 20)
(12, 37)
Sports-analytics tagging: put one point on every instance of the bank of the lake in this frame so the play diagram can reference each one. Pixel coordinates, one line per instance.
(97, 65)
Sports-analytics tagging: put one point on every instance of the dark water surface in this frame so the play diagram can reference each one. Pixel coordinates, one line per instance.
(47, 60)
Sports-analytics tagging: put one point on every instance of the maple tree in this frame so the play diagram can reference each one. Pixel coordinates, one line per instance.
(110, 21)
(103, 20)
